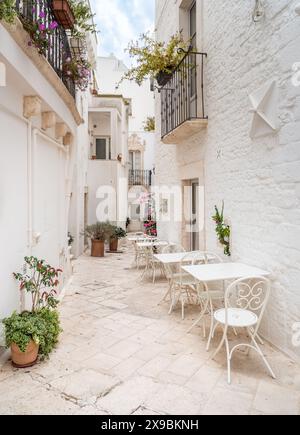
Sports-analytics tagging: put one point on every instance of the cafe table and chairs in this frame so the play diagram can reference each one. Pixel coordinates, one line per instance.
(208, 274)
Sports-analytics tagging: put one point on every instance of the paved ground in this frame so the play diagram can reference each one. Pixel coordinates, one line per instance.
(121, 353)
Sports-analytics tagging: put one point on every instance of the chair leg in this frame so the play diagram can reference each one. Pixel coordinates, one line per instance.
(182, 309)
(221, 344)
(228, 361)
(204, 327)
(262, 355)
(211, 326)
(199, 319)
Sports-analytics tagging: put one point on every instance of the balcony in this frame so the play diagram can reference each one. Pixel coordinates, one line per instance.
(58, 48)
(182, 100)
(140, 178)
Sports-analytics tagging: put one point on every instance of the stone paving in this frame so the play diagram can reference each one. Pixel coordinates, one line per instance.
(120, 353)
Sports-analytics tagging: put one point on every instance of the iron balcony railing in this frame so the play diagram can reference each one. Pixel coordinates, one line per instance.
(58, 47)
(140, 178)
(182, 97)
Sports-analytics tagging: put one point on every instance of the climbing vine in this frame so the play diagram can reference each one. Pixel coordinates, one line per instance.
(223, 230)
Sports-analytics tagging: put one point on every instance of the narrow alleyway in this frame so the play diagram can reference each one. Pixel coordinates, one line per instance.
(120, 353)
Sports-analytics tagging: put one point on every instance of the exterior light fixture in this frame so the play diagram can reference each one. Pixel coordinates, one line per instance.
(78, 47)
(259, 11)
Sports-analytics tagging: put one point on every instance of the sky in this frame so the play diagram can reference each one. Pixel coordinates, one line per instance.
(121, 21)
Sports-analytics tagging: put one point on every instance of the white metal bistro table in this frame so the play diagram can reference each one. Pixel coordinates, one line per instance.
(208, 273)
(152, 243)
(178, 257)
(140, 238)
(223, 271)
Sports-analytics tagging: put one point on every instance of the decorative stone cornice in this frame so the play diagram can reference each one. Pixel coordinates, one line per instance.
(48, 120)
(32, 106)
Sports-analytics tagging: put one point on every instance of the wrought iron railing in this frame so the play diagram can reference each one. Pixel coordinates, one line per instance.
(58, 48)
(140, 178)
(182, 97)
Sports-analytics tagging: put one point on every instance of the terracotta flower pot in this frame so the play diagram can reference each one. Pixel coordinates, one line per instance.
(113, 246)
(97, 248)
(63, 13)
(25, 359)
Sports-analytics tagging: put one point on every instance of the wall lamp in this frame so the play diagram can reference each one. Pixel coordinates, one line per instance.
(259, 11)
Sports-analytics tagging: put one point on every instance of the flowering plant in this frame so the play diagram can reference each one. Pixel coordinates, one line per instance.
(40, 30)
(223, 230)
(150, 227)
(41, 324)
(79, 70)
(7, 11)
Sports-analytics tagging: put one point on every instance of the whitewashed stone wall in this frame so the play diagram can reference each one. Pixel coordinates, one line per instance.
(259, 180)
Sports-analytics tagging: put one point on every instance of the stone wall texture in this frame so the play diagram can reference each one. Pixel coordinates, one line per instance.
(258, 179)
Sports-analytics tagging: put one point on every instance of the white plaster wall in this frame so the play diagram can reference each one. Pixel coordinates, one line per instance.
(258, 179)
(51, 174)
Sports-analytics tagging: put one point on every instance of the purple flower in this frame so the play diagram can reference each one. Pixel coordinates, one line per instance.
(42, 27)
(53, 25)
(42, 14)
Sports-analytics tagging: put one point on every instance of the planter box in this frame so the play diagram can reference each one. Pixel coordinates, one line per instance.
(63, 13)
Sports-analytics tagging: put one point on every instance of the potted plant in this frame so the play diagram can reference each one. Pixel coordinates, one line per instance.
(118, 234)
(149, 124)
(223, 230)
(84, 19)
(63, 13)
(154, 59)
(79, 70)
(40, 30)
(7, 11)
(34, 333)
(98, 233)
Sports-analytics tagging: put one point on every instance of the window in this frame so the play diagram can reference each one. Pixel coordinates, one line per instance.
(193, 25)
(135, 160)
(103, 148)
(193, 39)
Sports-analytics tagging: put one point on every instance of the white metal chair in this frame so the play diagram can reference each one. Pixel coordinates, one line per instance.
(207, 295)
(245, 304)
(155, 264)
(140, 253)
(183, 286)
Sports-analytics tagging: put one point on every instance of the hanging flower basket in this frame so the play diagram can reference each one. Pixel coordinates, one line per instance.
(163, 77)
(63, 13)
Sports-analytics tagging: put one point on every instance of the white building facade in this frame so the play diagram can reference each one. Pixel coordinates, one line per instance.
(141, 143)
(44, 158)
(238, 143)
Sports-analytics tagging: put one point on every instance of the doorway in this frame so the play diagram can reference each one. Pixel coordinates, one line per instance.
(195, 213)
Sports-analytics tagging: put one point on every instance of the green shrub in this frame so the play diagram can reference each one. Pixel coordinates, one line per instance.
(43, 327)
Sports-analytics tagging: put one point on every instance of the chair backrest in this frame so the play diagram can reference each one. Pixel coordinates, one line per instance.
(173, 248)
(250, 294)
(205, 257)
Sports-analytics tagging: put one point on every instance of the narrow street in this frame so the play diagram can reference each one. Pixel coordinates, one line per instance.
(120, 353)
